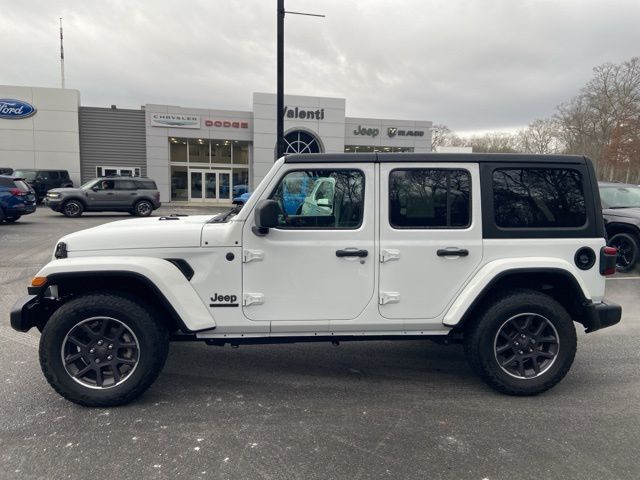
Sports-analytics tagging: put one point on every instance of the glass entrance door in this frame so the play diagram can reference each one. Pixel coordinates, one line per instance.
(209, 185)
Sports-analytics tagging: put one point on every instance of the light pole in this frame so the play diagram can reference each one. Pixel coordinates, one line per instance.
(280, 87)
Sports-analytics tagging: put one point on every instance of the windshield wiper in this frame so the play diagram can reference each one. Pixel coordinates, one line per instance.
(224, 216)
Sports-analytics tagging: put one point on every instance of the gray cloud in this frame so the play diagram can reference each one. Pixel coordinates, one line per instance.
(474, 65)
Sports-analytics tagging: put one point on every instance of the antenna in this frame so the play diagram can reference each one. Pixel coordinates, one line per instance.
(61, 56)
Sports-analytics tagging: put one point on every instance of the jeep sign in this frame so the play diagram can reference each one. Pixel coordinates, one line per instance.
(12, 109)
(369, 132)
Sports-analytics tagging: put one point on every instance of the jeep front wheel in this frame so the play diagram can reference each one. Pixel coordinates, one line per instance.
(102, 350)
(522, 344)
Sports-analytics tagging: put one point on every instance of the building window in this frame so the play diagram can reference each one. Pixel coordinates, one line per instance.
(178, 149)
(221, 152)
(179, 187)
(299, 141)
(371, 149)
(198, 151)
(104, 171)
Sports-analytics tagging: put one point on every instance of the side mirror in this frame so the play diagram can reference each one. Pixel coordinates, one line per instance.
(95, 188)
(266, 216)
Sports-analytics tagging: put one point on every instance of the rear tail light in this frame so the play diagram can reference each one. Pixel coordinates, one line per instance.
(158, 196)
(16, 192)
(608, 256)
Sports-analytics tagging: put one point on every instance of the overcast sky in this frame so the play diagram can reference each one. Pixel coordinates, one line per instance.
(474, 65)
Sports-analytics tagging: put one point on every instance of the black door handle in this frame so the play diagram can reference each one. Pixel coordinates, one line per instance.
(352, 253)
(452, 252)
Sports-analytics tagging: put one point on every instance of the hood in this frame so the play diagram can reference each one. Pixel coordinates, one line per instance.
(631, 212)
(154, 232)
(65, 190)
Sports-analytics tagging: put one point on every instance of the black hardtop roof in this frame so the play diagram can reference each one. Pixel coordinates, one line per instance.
(40, 170)
(434, 158)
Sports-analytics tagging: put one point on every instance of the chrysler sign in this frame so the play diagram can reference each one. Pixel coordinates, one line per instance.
(15, 109)
(175, 120)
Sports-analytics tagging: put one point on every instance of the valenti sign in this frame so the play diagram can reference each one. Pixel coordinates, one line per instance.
(175, 120)
(12, 109)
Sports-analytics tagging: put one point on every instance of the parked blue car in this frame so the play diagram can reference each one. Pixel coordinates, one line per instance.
(242, 199)
(16, 199)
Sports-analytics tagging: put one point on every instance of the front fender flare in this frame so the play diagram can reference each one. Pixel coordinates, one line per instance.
(158, 273)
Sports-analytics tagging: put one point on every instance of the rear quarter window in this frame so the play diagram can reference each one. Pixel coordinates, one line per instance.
(538, 198)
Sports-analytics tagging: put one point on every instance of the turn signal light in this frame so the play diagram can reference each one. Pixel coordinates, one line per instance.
(38, 281)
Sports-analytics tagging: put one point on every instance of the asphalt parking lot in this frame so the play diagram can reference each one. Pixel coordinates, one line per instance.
(362, 410)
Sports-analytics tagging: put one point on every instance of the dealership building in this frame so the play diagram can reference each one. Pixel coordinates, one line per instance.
(194, 154)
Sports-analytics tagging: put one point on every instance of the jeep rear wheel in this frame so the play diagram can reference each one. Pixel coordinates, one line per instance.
(102, 350)
(143, 208)
(72, 208)
(522, 344)
(627, 251)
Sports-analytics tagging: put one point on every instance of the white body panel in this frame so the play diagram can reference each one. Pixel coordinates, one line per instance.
(290, 281)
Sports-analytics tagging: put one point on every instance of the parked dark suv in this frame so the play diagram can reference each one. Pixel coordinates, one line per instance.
(136, 195)
(16, 199)
(44, 180)
(621, 210)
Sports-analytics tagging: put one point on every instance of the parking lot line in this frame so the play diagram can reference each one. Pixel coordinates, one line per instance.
(625, 278)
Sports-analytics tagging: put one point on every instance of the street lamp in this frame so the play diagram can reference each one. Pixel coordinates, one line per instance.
(280, 88)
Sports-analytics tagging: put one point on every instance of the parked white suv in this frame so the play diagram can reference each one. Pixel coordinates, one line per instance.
(499, 252)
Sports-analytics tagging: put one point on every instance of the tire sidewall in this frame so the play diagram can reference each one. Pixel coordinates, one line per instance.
(497, 315)
(152, 344)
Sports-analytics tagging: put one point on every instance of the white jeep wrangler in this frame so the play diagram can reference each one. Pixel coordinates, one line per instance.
(499, 252)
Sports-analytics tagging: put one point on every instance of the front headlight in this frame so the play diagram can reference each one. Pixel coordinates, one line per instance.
(53, 195)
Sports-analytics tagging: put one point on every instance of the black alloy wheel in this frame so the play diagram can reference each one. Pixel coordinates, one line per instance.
(526, 345)
(627, 251)
(143, 208)
(100, 352)
(72, 209)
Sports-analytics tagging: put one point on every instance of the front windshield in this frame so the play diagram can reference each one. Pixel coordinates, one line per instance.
(29, 175)
(89, 184)
(620, 197)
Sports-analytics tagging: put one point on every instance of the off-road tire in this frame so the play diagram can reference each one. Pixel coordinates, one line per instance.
(151, 335)
(72, 208)
(632, 253)
(142, 208)
(481, 333)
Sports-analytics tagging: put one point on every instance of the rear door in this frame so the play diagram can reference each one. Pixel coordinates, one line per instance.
(430, 236)
(125, 193)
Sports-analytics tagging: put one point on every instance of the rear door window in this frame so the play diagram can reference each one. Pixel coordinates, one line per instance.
(538, 198)
(125, 185)
(429, 198)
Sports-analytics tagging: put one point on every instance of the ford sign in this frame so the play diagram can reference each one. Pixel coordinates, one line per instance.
(15, 109)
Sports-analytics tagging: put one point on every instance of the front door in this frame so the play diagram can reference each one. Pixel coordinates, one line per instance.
(430, 237)
(209, 185)
(318, 264)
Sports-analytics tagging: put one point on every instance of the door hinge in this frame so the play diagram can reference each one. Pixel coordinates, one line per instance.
(389, 297)
(251, 255)
(252, 299)
(386, 255)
